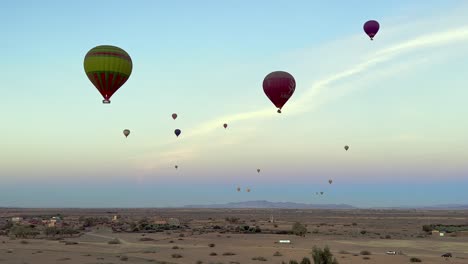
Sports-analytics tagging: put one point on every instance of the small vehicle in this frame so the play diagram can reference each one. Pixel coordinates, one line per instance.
(391, 253)
(447, 255)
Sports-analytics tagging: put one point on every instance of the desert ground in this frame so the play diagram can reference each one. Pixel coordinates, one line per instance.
(204, 238)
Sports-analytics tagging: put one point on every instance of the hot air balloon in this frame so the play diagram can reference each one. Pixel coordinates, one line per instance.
(346, 147)
(225, 125)
(279, 86)
(177, 132)
(371, 28)
(238, 189)
(258, 170)
(330, 181)
(174, 116)
(126, 132)
(176, 167)
(248, 189)
(321, 193)
(108, 68)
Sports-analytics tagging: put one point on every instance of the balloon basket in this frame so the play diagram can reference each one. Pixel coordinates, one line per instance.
(106, 101)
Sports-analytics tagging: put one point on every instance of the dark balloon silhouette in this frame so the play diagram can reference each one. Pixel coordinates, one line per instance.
(321, 193)
(248, 189)
(279, 86)
(126, 132)
(238, 189)
(176, 167)
(225, 125)
(177, 132)
(371, 28)
(174, 116)
(346, 147)
(108, 68)
(330, 181)
(258, 170)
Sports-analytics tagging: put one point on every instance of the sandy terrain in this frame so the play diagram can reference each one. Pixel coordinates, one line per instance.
(327, 227)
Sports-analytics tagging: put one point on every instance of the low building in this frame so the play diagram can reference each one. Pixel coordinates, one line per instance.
(285, 241)
(116, 218)
(435, 233)
(16, 219)
(173, 222)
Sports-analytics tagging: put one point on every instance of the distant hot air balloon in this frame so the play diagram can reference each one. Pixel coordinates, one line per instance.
(371, 28)
(108, 68)
(321, 193)
(330, 181)
(346, 147)
(176, 167)
(248, 189)
(225, 125)
(279, 86)
(174, 116)
(126, 132)
(258, 170)
(238, 189)
(177, 132)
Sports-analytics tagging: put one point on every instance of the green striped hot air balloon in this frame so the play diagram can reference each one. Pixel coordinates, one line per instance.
(108, 68)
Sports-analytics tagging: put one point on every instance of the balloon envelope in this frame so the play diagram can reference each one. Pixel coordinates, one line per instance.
(330, 181)
(279, 86)
(174, 116)
(258, 170)
(225, 125)
(126, 132)
(108, 68)
(177, 132)
(371, 28)
(176, 166)
(346, 147)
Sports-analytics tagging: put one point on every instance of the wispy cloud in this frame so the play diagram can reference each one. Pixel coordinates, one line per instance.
(307, 100)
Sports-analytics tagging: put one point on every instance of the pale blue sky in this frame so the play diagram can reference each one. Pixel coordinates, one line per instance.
(398, 101)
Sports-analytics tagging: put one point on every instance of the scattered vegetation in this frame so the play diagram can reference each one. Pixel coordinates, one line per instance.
(413, 259)
(305, 260)
(213, 254)
(211, 245)
(277, 254)
(229, 254)
(175, 247)
(366, 258)
(114, 241)
(365, 253)
(176, 256)
(123, 258)
(259, 258)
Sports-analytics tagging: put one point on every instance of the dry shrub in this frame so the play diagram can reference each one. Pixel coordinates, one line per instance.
(176, 256)
(365, 253)
(229, 254)
(213, 254)
(277, 254)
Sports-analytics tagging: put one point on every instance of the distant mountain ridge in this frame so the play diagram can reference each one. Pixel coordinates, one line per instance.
(277, 205)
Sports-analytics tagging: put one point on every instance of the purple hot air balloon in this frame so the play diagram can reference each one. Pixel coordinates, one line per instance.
(371, 28)
(177, 132)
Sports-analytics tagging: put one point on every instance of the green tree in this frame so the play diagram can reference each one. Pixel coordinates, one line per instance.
(305, 260)
(298, 229)
(323, 256)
